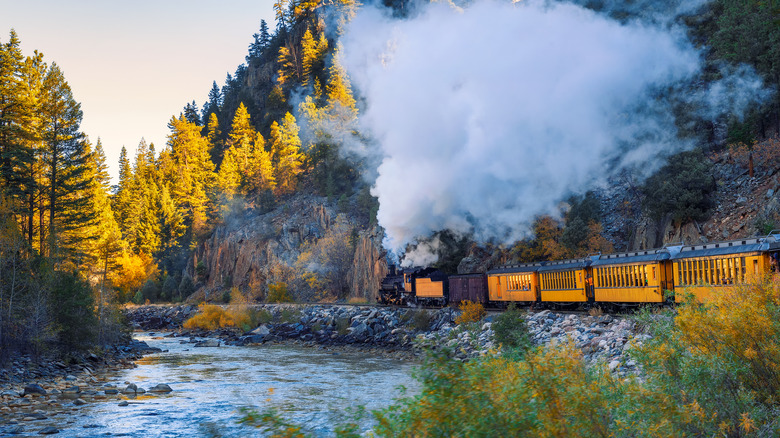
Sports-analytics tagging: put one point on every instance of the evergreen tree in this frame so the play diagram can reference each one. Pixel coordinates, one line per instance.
(31, 182)
(191, 113)
(214, 104)
(122, 199)
(65, 156)
(214, 136)
(17, 107)
(260, 42)
(265, 36)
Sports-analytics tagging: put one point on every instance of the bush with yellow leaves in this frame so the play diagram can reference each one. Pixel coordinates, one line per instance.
(470, 312)
(237, 315)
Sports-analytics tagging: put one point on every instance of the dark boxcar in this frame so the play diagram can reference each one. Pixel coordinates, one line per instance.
(468, 287)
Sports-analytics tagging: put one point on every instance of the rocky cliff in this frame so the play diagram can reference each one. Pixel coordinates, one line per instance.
(302, 243)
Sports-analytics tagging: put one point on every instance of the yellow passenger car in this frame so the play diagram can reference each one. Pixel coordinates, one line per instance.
(517, 283)
(565, 281)
(702, 270)
(636, 277)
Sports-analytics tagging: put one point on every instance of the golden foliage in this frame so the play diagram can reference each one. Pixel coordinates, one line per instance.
(212, 317)
(739, 324)
(132, 272)
(470, 312)
(278, 293)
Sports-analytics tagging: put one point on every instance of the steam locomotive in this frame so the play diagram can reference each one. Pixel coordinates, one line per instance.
(624, 279)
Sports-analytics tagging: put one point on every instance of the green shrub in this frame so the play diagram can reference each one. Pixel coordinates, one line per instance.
(342, 324)
(417, 319)
(150, 290)
(289, 315)
(510, 329)
(186, 287)
(73, 311)
(263, 316)
(169, 288)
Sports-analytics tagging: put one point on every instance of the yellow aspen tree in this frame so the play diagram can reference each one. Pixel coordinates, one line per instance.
(309, 55)
(339, 90)
(261, 171)
(286, 147)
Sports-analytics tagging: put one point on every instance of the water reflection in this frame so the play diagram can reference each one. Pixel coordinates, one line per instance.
(308, 386)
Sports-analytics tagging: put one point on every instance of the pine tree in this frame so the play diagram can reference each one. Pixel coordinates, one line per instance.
(191, 113)
(265, 36)
(260, 42)
(214, 104)
(214, 136)
(122, 199)
(17, 107)
(34, 72)
(65, 156)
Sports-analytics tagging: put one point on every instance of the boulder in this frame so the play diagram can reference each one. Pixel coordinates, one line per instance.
(131, 389)
(34, 388)
(261, 330)
(208, 343)
(71, 390)
(161, 388)
(48, 431)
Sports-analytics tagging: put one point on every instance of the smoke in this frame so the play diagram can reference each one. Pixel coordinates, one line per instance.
(489, 114)
(423, 254)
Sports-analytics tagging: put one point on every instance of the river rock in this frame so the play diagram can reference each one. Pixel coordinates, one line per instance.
(34, 388)
(130, 389)
(71, 390)
(261, 330)
(111, 391)
(48, 431)
(79, 402)
(208, 343)
(160, 388)
(123, 403)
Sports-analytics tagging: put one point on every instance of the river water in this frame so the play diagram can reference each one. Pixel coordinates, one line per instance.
(308, 386)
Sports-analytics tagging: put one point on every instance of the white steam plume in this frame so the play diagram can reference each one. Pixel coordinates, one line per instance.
(490, 114)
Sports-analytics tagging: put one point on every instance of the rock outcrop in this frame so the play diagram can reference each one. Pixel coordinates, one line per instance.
(254, 249)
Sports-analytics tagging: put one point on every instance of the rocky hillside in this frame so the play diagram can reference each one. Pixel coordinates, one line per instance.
(744, 205)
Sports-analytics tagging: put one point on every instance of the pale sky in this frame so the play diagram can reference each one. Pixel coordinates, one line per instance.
(134, 64)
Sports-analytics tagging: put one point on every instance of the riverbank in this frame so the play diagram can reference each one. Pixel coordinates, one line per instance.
(40, 395)
(404, 332)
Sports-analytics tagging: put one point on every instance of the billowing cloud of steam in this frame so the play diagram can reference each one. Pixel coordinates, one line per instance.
(490, 114)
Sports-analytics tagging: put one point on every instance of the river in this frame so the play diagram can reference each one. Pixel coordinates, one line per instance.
(307, 386)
